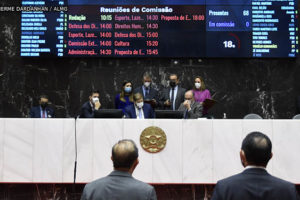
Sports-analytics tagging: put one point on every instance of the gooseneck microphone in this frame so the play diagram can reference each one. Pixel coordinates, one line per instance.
(75, 163)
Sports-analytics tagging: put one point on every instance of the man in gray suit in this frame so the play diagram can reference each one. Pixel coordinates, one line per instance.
(119, 184)
(150, 94)
(191, 108)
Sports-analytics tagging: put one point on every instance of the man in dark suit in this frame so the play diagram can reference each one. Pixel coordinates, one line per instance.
(191, 108)
(139, 110)
(43, 110)
(149, 93)
(173, 96)
(120, 184)
(90, 108)
(255, 183)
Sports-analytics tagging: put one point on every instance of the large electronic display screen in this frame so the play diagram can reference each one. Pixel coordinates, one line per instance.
(159, 28)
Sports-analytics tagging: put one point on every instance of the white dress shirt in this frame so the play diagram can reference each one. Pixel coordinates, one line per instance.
(137, 112)
(175, 95)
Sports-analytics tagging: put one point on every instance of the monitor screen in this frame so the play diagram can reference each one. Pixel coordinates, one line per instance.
(159, 28)
(109, 113)
(168, 114)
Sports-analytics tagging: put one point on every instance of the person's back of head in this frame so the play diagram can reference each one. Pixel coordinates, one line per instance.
(120, 184)
(255, 182)
(256, 149)
(125, 155)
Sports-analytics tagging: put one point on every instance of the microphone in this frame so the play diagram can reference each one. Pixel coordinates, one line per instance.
(75, 163)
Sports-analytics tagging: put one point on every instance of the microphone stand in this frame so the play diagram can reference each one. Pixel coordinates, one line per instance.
(75, 163)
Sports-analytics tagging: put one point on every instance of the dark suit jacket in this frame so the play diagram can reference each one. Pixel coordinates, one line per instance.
(147, 109)
(87, 111)
(153, 93)
(165, 95)
(254, 184)
(194, 113)
(118, 186)
(35, 112)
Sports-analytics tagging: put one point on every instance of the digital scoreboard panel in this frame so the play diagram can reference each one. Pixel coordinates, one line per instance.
(159, 28)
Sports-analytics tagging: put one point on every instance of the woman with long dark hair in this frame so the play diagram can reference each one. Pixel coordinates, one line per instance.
(124, 98)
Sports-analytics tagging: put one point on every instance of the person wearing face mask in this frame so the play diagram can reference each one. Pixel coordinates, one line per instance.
(200, 92)
(173, 96)
(139, 110)
(150, 94)
(191, 109)
(43, 110)
(89, 109)
(125, 98)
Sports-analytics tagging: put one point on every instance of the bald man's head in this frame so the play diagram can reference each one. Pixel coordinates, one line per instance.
(189, 95)
(124, 153)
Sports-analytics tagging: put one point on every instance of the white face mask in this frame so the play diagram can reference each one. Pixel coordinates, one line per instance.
(95, 99)
(197, 85)
(147, 84)
(140, 105)
(189, 102)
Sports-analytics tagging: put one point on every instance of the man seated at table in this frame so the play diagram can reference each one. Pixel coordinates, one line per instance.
(139, 110)
(90, 107)
(150, 94)
(191, 108)
(43, 110)
(120, 184)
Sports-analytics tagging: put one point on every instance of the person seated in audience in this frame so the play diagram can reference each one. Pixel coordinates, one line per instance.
(139, 110)
(43, 110)
(200, 92)
(125, 98)
(150, 94)
(254, 182)
(120, 184)
(173, 96)
(191, 108)
(91, 107)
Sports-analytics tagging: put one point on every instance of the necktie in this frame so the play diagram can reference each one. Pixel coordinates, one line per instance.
(172, 99)
(43, 114)
(186, 114)
(147, 92)
(140, 113)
